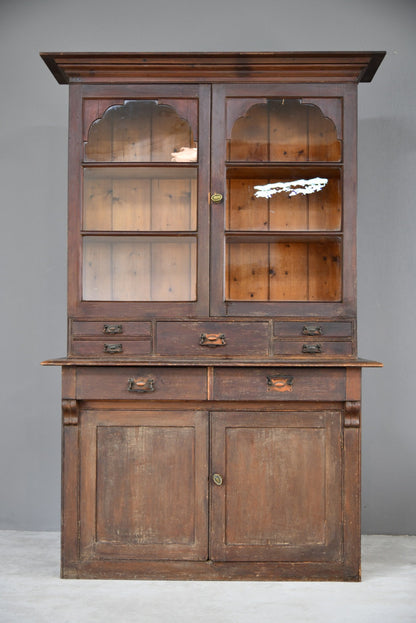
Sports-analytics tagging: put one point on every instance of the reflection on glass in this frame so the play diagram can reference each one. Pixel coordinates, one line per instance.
(283, 271)
(185, 154)
(140, 199)
(293, 203)
(145, 268)
(140, 131)
(297, 187)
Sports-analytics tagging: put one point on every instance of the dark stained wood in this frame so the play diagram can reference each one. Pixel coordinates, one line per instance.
(242, 338)
(352, 497)
(169, 383)
(189, 67)
(288, 465)
(253, 384)
(82, 362)
(95, 348)
(70, 485)
(317, 347)
(230, 317)
(143, 485)
(110, 328)
(311, 328)
(211, 570)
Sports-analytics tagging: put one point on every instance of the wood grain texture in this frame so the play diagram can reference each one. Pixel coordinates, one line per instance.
(251, 384)
(69, 485)
(232, 323)
(288, 466)
(189, 67)
(143, 485)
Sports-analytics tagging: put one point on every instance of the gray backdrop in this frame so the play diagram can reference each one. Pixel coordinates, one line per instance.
(33, 153)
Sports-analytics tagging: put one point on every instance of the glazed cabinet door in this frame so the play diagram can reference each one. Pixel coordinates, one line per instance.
(282, 234)
(276, 486)
(139, 200)
(143, 485)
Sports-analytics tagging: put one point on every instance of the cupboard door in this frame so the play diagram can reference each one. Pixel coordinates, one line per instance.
(143, 485)
(140, 235)
(282, 165)
(280, 495)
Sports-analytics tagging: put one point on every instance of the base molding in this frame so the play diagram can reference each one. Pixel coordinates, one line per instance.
(213, 571)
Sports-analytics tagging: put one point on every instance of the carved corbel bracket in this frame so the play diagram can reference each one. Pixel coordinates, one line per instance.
(70, 413)
(352, 415)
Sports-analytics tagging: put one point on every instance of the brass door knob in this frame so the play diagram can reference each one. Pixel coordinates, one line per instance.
(217, 479)
(216, 197)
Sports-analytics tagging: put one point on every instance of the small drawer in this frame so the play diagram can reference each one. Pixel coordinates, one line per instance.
(141, 383)
(311, 328)
(311, 348)
(111, 348)
(279, 384)
(81, 328)
(218, 339)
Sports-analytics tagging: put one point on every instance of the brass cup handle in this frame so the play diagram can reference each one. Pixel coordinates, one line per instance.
(280, 383)
(141, 385)
(112, 329)
(312, 349)
(113, 348)
(217, 479)
(311, 329)
(212, 339)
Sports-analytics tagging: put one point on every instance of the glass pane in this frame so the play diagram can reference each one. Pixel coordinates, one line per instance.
(140, 199)
(283, 271)
(142, 131)
(145, 268)
(295, 200)
(281, 130)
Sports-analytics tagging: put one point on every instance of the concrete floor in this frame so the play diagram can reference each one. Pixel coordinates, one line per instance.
(32, 592)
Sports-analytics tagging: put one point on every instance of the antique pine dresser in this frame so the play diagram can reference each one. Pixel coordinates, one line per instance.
(211, 391)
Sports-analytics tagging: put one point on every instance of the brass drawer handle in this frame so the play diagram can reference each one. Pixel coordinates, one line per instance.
(141, 385)
(112, 329)
(312, 349)
(113, 348)
(280, 383)
(311, 329)
(217, 479)
(212, 339)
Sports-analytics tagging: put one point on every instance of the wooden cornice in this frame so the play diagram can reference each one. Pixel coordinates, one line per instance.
(276, 67)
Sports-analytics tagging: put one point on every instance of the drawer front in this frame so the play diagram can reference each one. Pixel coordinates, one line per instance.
(141, 383)
(312, 329)
(111, 348)
(279, 384)
(81, 328)
(218, 339)
(310, 348)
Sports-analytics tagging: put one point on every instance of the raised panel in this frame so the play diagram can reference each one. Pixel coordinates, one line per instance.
(280, 499)
(143, 485)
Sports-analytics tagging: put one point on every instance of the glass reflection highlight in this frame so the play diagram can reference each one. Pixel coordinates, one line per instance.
(297, 187)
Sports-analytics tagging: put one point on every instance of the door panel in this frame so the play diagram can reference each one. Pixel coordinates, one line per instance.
(280, 497)
(143, 485)
(141, 234)
(277, 236)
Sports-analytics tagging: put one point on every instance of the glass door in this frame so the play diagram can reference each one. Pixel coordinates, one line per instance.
(142, 228)
(279, 231)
